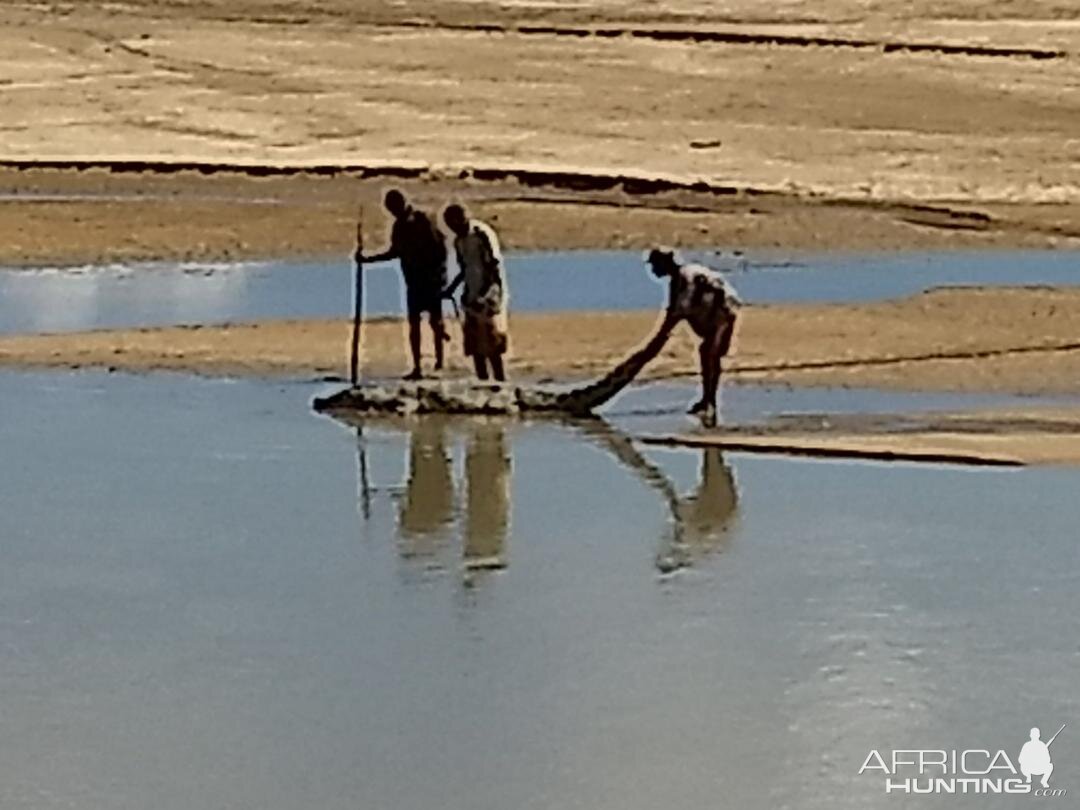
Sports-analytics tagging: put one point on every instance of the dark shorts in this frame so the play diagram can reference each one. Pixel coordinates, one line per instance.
(419, 300)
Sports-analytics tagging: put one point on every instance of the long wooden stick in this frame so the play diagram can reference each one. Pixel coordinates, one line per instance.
(358, 300)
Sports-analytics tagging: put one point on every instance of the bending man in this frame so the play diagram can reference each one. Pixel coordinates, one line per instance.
(701, 297)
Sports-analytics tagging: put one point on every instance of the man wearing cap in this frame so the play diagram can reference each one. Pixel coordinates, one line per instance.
(700, 296)
(417, 243)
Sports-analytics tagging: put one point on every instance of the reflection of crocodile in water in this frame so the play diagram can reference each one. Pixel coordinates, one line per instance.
(483, 398)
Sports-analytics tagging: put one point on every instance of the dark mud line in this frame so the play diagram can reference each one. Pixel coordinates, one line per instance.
(978, 354)
(740, 38)
(532, 178)
(779, 449)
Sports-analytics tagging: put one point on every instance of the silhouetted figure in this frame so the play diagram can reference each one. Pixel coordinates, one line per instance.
(428, 505)
(415, 241)
(701, 297)
(484, 299)
(487, 510)
(1035, 759)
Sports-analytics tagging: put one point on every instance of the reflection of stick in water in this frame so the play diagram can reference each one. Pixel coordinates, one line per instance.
(487, 512)
(698, 522)
(365, 486)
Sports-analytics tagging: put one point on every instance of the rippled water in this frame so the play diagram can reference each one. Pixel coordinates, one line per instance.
(210, 597)
(93, 297)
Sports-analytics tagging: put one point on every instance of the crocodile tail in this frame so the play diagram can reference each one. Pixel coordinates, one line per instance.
(587, 398)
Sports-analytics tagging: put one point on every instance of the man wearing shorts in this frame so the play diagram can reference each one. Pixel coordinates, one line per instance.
(700, 296)
(417, 244)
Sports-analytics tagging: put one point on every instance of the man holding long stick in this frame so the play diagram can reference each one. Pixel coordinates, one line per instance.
(418, 245)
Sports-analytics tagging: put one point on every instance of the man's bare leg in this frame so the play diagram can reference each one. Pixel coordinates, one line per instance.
(414, 348)
(497, 367)
(710, 381)
(480, 364)
(438, 329)
(712, 352)
(707, 366)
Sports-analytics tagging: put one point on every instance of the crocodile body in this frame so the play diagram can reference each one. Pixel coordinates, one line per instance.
(461, 397)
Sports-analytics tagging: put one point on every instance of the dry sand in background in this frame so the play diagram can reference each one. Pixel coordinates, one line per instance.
(866, 146)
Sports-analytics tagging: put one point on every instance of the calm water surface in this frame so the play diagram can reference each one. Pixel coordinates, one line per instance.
(211, 598)
(45, 300)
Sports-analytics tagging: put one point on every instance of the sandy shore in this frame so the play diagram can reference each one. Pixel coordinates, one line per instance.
(1002, 437)
(828, 125)
(1017, 340)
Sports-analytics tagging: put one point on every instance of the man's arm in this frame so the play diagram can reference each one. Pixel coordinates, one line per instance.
(672, 314)
(671, 320)
(375, 258)
(492, 293)
(391, 252)
(452, 287)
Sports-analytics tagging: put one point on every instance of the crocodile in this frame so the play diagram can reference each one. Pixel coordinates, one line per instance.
(461, 397)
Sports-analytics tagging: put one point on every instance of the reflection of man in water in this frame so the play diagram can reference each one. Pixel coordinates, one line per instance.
(487, 514)
(699, 522)
(428, 505)
(705, 515)
(1035, 759)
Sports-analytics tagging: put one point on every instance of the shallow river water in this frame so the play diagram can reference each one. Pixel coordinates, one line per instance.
(210, 597)
(67, 299)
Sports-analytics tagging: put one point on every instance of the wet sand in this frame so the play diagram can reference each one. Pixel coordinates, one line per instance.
(213, 130)
(994, 437)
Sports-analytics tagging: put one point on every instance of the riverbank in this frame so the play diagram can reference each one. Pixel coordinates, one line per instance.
(75, 213)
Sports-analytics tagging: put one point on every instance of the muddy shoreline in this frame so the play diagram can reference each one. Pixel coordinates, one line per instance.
(62, 213)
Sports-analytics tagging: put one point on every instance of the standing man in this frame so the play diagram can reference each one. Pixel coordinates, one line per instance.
(701, 297)
(417, 244)
(485, 296)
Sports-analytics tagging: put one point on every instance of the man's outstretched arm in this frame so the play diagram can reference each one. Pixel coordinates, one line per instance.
(375, 258)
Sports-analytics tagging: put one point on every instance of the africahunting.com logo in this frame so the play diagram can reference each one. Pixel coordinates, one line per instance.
(975, 770)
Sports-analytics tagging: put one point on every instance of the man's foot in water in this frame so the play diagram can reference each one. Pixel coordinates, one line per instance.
(415, 374)
(706, 411)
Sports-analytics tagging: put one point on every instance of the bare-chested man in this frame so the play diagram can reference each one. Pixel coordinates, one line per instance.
(415, 241)
(701, 297)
